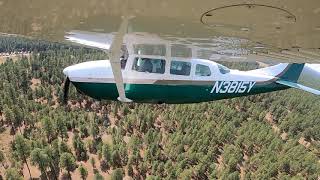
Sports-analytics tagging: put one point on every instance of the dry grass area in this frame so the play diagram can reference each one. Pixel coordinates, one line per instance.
(262, 64)
(5, 140)
(14, 57)
(220, 163)
(270, 120)
(35, 83)
(54, 98)
(35, 173)
(305, 143)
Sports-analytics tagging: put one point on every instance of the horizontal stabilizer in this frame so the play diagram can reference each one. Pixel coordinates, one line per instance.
(298, 86)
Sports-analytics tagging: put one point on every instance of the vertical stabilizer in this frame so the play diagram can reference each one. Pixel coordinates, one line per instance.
(292, 72)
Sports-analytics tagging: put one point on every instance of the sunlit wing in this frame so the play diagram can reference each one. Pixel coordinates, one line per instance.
(94, 40)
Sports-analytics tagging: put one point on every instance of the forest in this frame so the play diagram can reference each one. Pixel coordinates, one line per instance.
(267, 136)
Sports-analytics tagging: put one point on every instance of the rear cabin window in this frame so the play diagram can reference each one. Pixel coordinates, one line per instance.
(180, 68)
(202, 70)
(149, 65)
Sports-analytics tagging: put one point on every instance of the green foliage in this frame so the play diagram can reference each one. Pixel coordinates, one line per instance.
(152, 178)
(117, 174)
(80, 149)
(98, 176)
(68, 162)
(93, 162)
(115, 158)
(106, 152)
(48, 129)
(13, 174)
(41, 159)
(130, 171)
(83, 172)
(21, 147)
(94, 129)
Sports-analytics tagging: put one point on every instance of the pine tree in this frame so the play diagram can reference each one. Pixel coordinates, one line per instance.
(22, 150)
(98, 176)
(13, 174)
(83, 172)
(68, 162)
(94, 129)
(61, 127)
(48, 129)
(117, 174)
(79, 147)
(106, 153)
(41, 159)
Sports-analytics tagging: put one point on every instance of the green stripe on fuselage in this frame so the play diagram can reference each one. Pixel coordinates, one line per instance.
(172, 94)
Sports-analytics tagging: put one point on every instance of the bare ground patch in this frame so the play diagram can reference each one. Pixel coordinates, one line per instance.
(14, 56)
(35, 83)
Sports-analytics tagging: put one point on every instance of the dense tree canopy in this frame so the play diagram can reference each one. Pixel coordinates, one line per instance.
(267, 136)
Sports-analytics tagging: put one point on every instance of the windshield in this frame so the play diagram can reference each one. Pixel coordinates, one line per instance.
(223, 69)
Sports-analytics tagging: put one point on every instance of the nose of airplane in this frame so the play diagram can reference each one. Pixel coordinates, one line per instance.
(90, 69)
(65, 71)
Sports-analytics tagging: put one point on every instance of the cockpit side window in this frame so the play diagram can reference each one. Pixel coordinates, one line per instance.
(180, 68)
(223, 69)
(149, 65)
(202, 70)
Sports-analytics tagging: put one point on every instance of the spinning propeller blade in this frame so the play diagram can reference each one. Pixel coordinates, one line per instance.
(66, 90)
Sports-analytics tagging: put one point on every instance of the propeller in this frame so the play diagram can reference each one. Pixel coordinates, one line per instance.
(66, 90)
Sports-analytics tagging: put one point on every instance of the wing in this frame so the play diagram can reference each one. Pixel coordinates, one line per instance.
(286, 31)
(91, 39)
(299, 86)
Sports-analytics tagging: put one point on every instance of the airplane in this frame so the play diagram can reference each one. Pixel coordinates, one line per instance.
(157, 71)
(279, 31)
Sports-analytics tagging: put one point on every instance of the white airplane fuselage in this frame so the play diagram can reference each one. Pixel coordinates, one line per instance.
(202, 80)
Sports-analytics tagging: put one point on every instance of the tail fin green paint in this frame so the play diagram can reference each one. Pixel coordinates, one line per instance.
(290, 77)
(292, 73)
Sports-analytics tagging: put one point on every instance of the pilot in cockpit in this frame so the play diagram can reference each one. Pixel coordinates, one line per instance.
(123, 62)
(124, 56)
